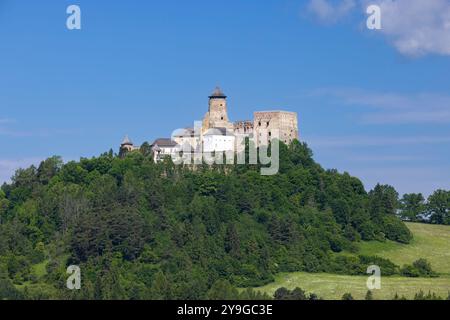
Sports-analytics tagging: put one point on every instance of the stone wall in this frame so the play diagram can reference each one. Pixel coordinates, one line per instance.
(275, 124)
(217, 115)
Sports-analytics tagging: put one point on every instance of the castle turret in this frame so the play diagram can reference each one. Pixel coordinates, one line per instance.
(217, 116)
(127, 144)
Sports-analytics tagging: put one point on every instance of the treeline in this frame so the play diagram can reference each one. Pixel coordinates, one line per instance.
(140, 230)
(435, 209)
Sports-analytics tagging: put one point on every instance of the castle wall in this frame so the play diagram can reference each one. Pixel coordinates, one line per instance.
(265, 126)
(282, 125)
(243, 127)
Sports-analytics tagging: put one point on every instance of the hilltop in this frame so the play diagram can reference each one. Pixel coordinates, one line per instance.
(146, 230)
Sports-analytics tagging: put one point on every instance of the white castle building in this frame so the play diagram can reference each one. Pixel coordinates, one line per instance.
(216, 133)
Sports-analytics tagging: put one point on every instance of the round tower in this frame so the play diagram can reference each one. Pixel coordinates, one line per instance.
(127, 144)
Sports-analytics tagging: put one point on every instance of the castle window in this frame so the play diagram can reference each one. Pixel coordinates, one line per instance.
(268, 123)
(259, 123)
(221, 118)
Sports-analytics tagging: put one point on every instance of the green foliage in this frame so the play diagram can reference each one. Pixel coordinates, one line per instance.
(435, 210)
(438, 207)
(419, 268)
(8, 291)
(412, 206)
(430, 296)
(395, 230)
(386, 265)
(347, 296)
(141, 230)
(222, 290)
(297, 294)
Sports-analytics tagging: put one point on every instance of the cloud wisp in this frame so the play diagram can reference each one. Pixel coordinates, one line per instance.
(414, 27)
(8, 127)
(378, 141)
(6, 121)
(394, 108)
(327, 12)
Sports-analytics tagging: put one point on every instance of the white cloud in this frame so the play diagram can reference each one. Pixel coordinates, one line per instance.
(6, 120)
(374, 141)
(328, 12)
(394, 108)
(8, 128)
(417, 27)
(414, 27)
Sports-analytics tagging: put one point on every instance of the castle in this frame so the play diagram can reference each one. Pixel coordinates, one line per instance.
(216, 133)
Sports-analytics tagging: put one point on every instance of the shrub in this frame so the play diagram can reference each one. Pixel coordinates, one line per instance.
(347, 296)
(419, 268)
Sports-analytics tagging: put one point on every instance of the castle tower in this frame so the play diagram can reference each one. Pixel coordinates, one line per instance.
(282, 125)
(217, 116)
(127, 144)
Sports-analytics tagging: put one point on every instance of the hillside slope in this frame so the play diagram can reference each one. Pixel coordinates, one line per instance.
(431, 242)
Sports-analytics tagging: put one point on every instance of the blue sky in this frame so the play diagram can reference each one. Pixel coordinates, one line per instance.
(373, 103)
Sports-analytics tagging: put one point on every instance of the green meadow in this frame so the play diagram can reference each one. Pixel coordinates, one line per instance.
(430, 242)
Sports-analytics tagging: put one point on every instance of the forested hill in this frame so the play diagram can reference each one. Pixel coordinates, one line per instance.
(140, 230)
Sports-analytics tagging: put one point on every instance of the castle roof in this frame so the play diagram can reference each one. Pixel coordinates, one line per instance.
(217, 93)
(126, 141)
(164, 143)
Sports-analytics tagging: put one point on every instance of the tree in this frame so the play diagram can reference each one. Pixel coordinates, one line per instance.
(146, 149)
(424, 268)
(232, 242)
(438, 207)
(8, 291)
(369, 295)
(160, 288)
(222, 290)
(49, 168)
(4, 204)
(120, 230)
(282, 294)
(296, 294)
(383, 201)
(419, 268)
(347, 296)
(412, 206)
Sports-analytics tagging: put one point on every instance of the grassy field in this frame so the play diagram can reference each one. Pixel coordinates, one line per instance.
(430, 242)
(332, 287)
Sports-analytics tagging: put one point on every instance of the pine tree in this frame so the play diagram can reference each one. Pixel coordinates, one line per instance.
(347, 296)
